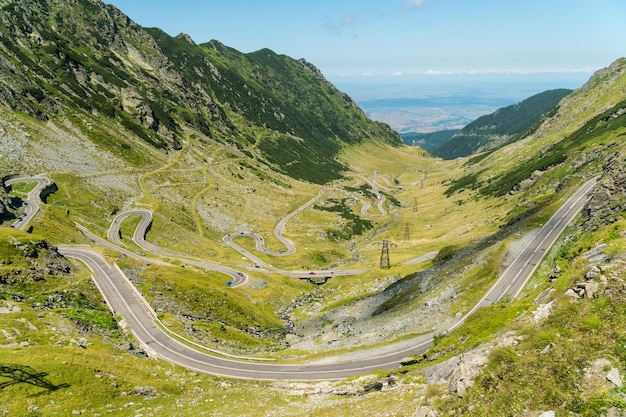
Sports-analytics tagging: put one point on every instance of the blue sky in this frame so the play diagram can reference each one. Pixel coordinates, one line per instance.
(350, 39)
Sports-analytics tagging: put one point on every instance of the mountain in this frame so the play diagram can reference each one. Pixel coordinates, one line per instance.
(429, 141)
(86, 60)
(504, 125)
(586, 128)
(215, 144)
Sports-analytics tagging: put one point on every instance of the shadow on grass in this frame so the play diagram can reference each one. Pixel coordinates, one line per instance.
(20, 374)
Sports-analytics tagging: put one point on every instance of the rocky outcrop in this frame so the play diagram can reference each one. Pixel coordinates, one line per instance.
(44, 260)
(600, 375)
(595, 282)
(608, 199)
(459, 372)
(5, 204)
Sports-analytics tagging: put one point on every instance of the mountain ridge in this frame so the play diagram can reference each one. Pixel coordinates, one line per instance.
(502, 126)
(587, 123)
(184, 86)
(105, 122)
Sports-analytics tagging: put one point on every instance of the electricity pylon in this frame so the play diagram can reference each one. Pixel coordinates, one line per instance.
(384, 254)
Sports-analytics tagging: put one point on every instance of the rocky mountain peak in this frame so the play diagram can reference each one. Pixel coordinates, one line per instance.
(186, 37)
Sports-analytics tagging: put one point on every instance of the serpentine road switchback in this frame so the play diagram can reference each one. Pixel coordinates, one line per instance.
(30, 203)
(125, 301)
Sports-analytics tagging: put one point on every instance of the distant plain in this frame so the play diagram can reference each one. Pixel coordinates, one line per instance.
(430, 103)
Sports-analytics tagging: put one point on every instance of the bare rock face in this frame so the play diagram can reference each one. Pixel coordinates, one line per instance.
(44, 259)
(441, 373)
(615, 378)
(459, 372)
(471, 363)
(595, 378)
(608, 199)
(5, 203)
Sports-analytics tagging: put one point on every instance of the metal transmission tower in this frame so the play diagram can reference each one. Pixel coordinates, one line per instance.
(384, 254)
(407, 236)
(414, 204)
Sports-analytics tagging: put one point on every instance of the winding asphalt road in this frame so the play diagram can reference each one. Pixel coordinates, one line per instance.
(31, 203)
(126, 301)
(512, 281)
(291, 249)
(129, 304)
(236, 278)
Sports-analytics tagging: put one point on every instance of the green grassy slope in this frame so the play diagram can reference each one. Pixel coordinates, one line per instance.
(584, 132)
(154, 88)
(504, 125)
(210, 167)
(429, 141)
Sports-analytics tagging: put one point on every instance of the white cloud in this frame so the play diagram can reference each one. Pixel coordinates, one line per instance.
(408, 75)
(348, 20)
(510, 71)
(412, 4)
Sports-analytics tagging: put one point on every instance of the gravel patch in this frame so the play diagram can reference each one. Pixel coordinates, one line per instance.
(34, 149)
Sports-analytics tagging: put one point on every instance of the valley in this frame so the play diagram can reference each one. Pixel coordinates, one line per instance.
(228, 234)
(142, 321)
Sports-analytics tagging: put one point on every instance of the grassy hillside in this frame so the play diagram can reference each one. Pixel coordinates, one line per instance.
(123, 83)
(504, 125)
(586, 129)
(215, 142)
